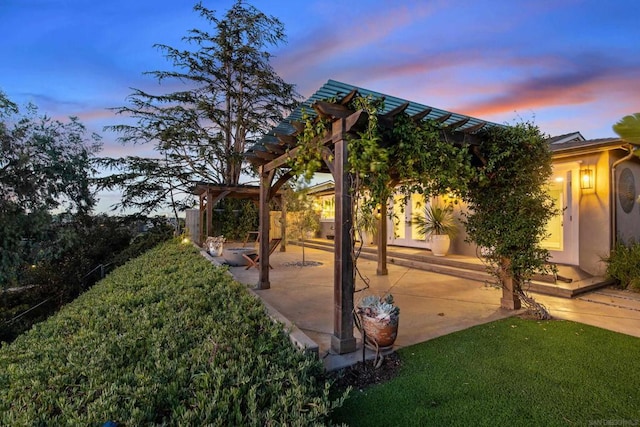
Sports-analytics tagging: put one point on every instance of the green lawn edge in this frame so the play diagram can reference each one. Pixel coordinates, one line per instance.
(511, 372)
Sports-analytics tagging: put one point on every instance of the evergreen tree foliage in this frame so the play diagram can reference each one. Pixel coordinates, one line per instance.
(227, 95)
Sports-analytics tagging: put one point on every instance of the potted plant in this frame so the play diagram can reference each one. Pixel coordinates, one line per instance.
(214, 245)
(366, 226)
(379, 319)
(438, 224)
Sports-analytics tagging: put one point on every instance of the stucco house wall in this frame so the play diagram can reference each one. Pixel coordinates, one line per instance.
(595, 215)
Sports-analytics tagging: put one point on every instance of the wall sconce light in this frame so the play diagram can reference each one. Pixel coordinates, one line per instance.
(586, 179)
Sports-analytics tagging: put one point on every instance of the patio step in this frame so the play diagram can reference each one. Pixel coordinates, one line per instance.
(426, 262)
(564, 285)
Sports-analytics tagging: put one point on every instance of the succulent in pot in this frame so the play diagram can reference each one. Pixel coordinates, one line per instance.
(379, 319)
(382, 309)
(215, 244)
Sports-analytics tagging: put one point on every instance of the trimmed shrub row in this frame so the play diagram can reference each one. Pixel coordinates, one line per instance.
(165, 339)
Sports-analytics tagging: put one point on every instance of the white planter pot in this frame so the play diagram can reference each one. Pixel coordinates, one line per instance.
(440, 244)
(233, 256)
(367, 238)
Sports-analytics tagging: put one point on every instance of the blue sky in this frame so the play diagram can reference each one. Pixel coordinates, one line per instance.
(568, 65)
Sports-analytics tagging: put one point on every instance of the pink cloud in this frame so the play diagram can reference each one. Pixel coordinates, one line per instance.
(568, 88)
(323, 44)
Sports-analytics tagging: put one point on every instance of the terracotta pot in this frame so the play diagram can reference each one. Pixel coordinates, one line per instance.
(383, 334)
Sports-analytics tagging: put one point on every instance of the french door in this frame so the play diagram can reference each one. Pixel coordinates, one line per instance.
(400, 228)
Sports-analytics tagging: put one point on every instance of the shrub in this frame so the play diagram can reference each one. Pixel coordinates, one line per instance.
(623, 265)
(165, 339)
(233, 218)
(82, 245)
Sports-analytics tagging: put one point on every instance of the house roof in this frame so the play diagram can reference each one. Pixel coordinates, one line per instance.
(322, 189)
(575, 147)
(567, 137)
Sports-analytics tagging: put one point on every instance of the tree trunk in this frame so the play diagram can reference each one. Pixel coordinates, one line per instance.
(510, 286)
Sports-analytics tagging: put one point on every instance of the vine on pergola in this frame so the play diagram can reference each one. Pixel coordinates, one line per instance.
(501, 175)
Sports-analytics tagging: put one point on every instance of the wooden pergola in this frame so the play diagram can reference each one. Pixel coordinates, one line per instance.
(210, 194)
(273, 152)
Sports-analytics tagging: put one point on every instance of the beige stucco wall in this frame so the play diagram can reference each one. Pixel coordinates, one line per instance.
(595, 214)
(458, 245)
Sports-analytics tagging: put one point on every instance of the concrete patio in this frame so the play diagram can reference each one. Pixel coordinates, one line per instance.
(431, 304)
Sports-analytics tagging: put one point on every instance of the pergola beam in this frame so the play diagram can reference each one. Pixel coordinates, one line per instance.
(331, 111)
(348, 97)
(287, 141)
(474, 128)
(456, 125)
(421, 115)
(274, 148)
(443, 118)
(399, 109)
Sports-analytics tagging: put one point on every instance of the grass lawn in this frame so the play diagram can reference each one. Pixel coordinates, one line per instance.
(512, 372)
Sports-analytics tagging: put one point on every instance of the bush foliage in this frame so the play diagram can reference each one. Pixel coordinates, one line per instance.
(81, 245)
(623, 265)
(165, 339)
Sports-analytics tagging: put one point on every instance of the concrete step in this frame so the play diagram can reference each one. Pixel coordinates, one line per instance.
(457, 271)
(443, 265)
(469, 268)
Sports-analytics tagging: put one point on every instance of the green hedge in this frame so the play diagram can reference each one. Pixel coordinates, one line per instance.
(165, 339)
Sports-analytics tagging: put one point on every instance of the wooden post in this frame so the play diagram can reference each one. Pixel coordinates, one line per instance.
(203, 226)
(265, 187)
(209, 215)
(283, 224)
(381, 270)
(510, 299)
(342, 340)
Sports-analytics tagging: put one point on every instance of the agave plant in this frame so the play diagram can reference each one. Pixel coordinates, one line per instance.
(381, 309)
(436, 220)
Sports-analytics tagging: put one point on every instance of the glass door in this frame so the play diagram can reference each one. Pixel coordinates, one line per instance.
(563, 229)
(401, 230)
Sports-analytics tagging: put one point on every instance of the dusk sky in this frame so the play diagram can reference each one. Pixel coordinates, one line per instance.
(568, 65)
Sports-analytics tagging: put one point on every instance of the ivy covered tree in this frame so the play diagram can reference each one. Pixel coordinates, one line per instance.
(509, 205)
(228, 95)
(45, 165)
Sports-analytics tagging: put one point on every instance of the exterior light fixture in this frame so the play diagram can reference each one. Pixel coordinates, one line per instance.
(586, 179)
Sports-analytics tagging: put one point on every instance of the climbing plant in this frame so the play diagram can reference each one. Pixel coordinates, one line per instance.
(308, 159)
(508, 203)
(501, 176)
